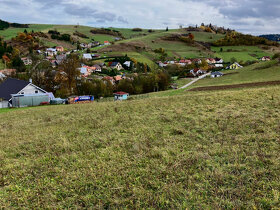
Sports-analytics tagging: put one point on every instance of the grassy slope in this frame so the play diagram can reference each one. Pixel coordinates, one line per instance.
(241, 53)
(198, 150)
(12, 32)
(70, 29)
(254, 73)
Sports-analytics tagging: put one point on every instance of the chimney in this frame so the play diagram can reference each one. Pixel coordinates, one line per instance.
(30, 80)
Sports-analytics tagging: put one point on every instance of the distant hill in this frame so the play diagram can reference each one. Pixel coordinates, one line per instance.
(272, 37)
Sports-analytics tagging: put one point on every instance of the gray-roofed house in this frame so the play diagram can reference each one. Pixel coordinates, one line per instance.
(14, 86)
(216, 74)
(97, 68)
(60, 58)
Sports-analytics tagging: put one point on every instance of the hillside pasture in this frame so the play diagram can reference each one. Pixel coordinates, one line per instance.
(240, 53)
(199, 150)
(260, 72)
(9, 33)
(206, 37)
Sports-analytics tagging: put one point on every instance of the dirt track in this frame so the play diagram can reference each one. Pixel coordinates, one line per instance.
(245, 85)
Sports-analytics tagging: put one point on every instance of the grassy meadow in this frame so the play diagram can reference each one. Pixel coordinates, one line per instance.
(240, 53)
(260, 72)
(197, 150)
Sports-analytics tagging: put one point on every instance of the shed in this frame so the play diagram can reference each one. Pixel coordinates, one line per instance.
(119, 96)
(20, 100)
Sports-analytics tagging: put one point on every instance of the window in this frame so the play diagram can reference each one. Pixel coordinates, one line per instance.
(36, 91)
(22, 93)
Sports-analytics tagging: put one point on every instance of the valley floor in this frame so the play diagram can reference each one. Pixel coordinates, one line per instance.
(217, 149)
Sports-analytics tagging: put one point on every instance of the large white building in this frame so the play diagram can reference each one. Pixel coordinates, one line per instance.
(15, 86)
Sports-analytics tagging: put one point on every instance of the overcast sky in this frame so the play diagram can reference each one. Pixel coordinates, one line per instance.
(248, 16)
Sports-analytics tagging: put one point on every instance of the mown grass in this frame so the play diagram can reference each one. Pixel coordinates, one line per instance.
(240, 53)
(260, 72)
(196, 151)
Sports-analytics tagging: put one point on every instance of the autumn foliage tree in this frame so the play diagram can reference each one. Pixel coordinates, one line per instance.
(69, 68)
(191, 36)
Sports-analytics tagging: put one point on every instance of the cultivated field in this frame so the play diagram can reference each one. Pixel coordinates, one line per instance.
(198, 150)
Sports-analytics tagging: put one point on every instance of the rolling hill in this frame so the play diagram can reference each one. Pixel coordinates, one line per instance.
(140, 45)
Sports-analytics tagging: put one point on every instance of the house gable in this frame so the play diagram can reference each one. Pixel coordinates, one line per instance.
(31, 89)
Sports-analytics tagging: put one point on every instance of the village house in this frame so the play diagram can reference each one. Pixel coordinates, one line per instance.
(59, 49)
(84, 71)
(197, 72)
(210, 60)
(60, 58)
(235, 66)
(87, 56)
(197, 61)
(161, 64)
(219, 63)
(26, 61)
(216, 74)
(185, 62)
(110, 79)
(120, 96)
(127, 64)
(97, 68)
(265, 58)
(116, 65)
(107, 43)
(14, 86)
(51, 52)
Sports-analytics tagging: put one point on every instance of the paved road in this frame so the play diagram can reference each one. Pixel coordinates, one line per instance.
(195, 80)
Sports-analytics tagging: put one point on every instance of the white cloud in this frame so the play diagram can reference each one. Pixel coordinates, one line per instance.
(250, 16)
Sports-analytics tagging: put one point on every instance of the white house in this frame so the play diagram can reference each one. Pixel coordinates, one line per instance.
(51, 52)
(26, 61)
(216, 74)
(127, 63)
(116, 65)
(15, 86)
(87, 56)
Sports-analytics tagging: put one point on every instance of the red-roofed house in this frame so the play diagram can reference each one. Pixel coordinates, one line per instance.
(119, 96)
(265, 58)
(59, 48)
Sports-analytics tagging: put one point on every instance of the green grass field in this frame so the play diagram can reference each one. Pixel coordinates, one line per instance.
(202, 150)
(206, 37)
(12, 32)
(128, 33)
(240, 53)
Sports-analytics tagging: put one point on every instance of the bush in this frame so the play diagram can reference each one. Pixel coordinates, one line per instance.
(137, 29)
